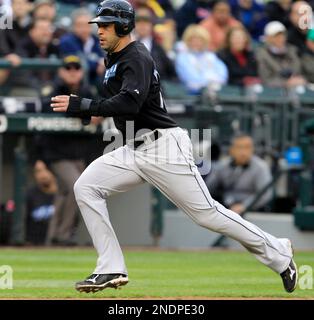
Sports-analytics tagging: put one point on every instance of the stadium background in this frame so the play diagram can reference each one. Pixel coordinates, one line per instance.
(280, 120)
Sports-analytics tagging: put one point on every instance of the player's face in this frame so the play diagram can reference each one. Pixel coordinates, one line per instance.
(108, 39)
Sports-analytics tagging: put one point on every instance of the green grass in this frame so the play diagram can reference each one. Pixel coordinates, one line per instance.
(51, 273)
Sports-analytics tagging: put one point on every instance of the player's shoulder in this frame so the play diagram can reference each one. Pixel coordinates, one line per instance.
(138, 52)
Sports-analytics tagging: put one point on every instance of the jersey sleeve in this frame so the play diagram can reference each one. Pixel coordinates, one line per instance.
(136, 77)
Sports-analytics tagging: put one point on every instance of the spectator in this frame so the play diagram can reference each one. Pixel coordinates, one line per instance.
(278, 10)
(237, 180)
(38, 44)
(65, 155)
(10, 38)
(83, 43)
(278, 62)
(300, 20)
(308, 58)
(144, 32)
(39, 204)
(218, 23)
(191, 12)
(239, 59)
(161, 9)
(251, 14)
(197, 67)
(44, 9)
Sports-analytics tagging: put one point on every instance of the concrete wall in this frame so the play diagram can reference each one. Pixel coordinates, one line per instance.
(181, 232)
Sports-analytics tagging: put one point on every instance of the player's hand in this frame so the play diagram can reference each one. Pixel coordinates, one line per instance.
(60, 103)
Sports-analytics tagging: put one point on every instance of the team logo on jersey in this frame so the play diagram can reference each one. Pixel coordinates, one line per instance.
(110, 73)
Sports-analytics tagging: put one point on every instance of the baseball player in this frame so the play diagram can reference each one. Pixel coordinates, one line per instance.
(162, 156)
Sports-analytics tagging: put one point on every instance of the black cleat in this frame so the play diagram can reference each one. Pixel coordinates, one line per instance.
(97, 282)
(290, 277)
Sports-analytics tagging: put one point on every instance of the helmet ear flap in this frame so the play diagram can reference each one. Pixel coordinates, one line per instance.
(122, 29)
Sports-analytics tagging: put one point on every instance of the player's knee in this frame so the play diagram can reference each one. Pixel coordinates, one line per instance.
(202, 221)
(209, 219)
(84, 190)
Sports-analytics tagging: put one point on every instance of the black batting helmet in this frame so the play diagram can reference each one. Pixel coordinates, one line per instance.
(118, 12)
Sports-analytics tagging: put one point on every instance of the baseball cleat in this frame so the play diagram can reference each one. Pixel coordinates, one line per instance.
(98, 282)
(290, 277)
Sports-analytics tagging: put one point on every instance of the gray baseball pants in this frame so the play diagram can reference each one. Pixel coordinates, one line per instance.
(166, 163)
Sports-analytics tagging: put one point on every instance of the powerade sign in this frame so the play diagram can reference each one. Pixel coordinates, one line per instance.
(43, 124)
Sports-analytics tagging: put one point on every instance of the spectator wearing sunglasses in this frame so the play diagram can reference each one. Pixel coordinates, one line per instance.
(65, 154)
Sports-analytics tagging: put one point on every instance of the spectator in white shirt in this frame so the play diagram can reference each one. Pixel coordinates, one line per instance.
(197, 67)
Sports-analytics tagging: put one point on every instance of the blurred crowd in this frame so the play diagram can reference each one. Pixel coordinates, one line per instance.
(198, 43)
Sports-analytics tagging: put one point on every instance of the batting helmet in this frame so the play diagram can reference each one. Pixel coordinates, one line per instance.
(118, 12)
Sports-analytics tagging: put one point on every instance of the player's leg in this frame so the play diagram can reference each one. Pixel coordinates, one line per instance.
(179, 179)
(107, 175)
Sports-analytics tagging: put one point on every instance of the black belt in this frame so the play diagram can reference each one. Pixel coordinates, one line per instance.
(153, 137)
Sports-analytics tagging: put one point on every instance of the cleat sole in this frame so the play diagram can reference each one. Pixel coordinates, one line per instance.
(114, 283)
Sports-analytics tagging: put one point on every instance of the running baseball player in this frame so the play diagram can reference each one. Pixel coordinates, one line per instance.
(161, 156)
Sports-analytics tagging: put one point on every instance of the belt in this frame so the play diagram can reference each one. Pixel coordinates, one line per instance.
(153, 136)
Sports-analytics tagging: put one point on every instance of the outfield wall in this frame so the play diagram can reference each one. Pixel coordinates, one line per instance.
(189, 235)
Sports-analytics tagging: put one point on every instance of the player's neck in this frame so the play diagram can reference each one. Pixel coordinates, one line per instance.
(124, 41)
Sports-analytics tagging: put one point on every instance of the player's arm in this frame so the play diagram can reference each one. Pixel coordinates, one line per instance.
(136, 77)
